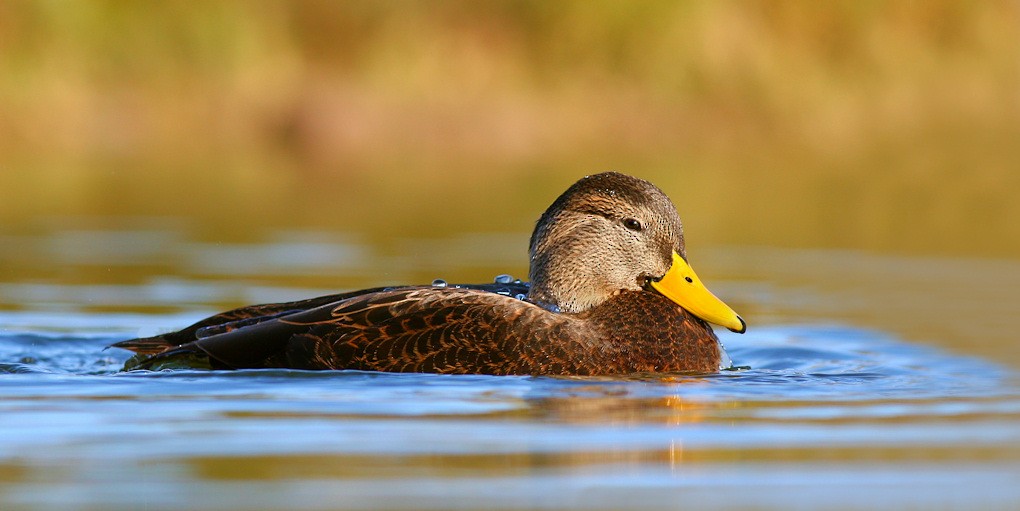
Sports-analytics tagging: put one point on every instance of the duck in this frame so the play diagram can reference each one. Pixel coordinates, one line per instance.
(611, 293)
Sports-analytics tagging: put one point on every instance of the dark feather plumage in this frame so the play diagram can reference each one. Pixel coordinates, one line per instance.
(484, 329)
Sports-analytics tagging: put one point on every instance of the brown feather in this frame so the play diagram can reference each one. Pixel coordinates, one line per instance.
(585, 262)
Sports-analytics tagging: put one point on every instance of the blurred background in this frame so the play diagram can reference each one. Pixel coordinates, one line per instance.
(206, 154)
(865, 125)
(847, 172)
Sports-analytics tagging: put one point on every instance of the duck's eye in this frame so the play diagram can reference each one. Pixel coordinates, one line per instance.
(633, 224)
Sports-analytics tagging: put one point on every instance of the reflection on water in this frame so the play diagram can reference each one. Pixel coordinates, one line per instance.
(863, 409)
(857, 392)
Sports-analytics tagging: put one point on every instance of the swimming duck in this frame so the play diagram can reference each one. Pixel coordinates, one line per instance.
(611, 292)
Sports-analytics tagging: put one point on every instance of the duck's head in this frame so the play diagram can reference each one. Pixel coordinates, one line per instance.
(611, 232)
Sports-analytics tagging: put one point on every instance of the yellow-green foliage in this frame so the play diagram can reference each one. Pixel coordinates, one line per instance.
(848, 123)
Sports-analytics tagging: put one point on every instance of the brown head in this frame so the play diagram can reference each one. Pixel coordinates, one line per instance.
(607, 233)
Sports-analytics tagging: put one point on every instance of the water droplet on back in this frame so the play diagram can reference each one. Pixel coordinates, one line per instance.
(439, 283)
(503, 279)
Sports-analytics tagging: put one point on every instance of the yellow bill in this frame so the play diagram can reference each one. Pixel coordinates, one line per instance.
(683, 286)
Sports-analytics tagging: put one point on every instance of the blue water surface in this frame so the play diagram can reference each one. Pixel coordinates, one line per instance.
(864, 382)
(812, 407)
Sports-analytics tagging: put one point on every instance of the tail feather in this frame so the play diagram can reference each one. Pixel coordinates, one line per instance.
(147, 345)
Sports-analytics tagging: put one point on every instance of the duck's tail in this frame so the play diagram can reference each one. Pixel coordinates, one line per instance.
(147, 345)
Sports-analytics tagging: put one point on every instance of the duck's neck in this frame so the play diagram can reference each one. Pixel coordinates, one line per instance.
(566, 278)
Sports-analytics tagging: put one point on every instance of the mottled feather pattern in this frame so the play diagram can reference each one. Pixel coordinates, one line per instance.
(426, 329)
(463, 331)
(588, 311)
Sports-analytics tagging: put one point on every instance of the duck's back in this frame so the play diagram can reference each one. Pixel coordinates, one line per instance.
(457, 331)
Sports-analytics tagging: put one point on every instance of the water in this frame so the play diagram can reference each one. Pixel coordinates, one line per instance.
(850, 401)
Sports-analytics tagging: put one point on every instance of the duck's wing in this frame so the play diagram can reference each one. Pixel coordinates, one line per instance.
(455, 331)
(423, 329)
(230, 320)
(254, 314)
